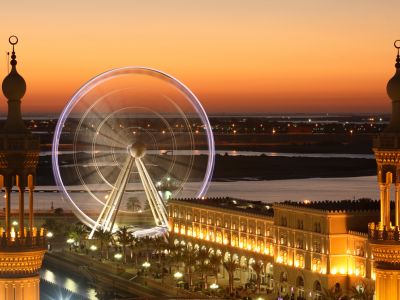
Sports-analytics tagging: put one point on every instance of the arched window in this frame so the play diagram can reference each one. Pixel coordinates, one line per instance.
(283, 283)
(283, 277)
(300, 287)
(317, 290)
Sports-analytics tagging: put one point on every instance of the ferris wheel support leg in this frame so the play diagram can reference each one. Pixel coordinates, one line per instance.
(114, 200)
(150, 197)
(157, 198)
(154, 195)
(119, 192)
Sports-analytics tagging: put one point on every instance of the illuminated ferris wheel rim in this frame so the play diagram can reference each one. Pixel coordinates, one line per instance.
(95, 81)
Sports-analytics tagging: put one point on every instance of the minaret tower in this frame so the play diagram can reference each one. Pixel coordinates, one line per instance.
(384, 236)
(22, 246)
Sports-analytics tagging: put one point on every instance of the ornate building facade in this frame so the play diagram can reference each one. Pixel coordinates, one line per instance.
(22, 246)
(305, 248)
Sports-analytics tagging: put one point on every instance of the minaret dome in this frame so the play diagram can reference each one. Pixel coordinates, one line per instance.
(14, 85)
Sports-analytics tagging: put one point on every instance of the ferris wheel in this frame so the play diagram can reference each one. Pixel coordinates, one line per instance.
(127, 141)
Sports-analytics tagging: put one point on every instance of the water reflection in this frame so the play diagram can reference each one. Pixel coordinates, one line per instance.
(59, 285)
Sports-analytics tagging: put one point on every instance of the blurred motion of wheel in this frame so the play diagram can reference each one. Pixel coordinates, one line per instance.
(132, 134)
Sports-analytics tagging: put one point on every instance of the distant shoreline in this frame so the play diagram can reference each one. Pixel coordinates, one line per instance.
(255, 168)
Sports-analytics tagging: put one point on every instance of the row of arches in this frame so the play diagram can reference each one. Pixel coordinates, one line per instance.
(245, 273)
(280, 284)
(299, 288)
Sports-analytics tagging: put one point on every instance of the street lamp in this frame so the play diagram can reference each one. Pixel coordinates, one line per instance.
(145, 265)
(93, 248)
(49, 235)
(118, 256)
(214, 287)
(70, 242)
(178, 275)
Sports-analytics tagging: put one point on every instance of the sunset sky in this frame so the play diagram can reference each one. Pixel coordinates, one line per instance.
(237, 56)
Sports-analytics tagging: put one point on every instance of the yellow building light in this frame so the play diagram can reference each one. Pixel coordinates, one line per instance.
(342, 270)
(333, 271)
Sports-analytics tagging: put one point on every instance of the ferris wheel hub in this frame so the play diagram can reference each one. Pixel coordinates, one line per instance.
(137, 150)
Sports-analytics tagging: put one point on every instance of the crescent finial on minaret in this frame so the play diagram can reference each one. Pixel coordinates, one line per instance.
(14, 88)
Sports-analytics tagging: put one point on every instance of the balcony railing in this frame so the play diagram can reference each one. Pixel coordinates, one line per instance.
(22, 243)
(378, 233)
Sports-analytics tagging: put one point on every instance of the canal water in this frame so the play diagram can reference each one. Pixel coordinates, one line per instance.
(56, 284)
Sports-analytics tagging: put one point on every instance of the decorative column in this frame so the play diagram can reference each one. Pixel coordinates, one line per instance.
(31, 209)
(21, 190)
(397, 202)
(382, 189)
(8, 211)
(30, 189)
(387, 198)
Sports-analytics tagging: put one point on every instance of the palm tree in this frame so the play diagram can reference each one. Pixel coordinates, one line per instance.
(189, 256)
(215, 263)
(133, 204)
(147, 244)
(365, 293)
(175, 254)
(334, 293)
(124, 237)
(78, 232)
(231, 264)
(203, 264)
(159, 246)
(135, 246)
(105, 237)
(258, 268)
